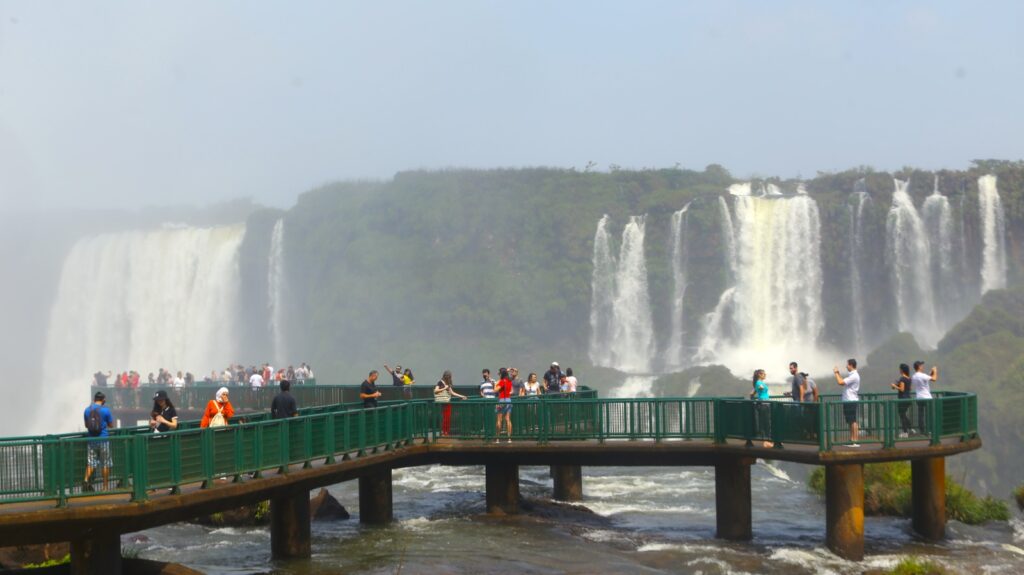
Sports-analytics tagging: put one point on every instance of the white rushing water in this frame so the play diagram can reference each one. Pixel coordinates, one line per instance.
(938, 220)
(729, 235)
(675, 355)
(140, 301)
(993, 234)
(632, 324)
(909, 259)
(602, 296)
(776, 300)
(856, 248)
(276, 287)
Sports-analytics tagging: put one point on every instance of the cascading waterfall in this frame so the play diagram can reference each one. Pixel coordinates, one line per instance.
(729, 235)
(276, 286)
(632, 324)
(993, 233)
(856, 248)
(779, 278)
(674, 353)
(938, 220)
(140, 300)
(602, 296)
(909, 259)
(713, 338)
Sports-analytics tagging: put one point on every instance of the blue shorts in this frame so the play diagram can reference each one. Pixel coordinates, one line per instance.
(504, 406)
(98, 456)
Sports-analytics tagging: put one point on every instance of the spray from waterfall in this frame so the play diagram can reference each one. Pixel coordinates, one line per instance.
(729, 236)
(674, 353)
(602, 296)
(140, 300)
(993, 233)
(909, 259)
(276, 287)
(856, 249)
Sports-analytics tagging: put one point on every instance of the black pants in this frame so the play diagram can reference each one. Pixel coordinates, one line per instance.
(904, 417)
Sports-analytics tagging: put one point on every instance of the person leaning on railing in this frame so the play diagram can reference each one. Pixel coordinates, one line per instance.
(443, 393)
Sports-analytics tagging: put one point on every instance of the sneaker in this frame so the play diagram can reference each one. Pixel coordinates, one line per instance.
(87, 487)
(497, 441)
(902, 435)
(854, 445)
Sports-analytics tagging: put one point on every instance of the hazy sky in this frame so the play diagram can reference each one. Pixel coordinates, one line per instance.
(138, 103)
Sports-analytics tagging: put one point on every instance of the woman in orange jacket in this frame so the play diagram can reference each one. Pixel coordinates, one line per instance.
(218, 411)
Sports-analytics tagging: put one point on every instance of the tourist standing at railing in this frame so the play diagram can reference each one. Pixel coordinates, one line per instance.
(444, 391)
(570, 381)
(98, 421)
(851, 394)
(798, 382)
(517, 382)
(283, 404)
(368, 390)
(922, 387)
(163, 417)
(553, 378)
(179, 381)
(256, 380)
(487, 385)
(532, 387)
(396, 375)
(99, 379)
(504, 408)
(218, 411)
(902, 387)
(762, 421)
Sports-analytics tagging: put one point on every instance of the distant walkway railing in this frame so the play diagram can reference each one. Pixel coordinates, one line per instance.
(53, 467)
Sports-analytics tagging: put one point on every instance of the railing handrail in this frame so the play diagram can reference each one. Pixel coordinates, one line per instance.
(51, 467)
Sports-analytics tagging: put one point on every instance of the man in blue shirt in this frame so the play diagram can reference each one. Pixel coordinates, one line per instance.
(98, 420)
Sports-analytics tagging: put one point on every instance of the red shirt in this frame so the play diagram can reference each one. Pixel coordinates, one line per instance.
(504, 389)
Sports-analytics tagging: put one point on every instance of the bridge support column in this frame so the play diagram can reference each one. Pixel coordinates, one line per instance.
(732, 501)
(375, 505)
(98, 555)
(568, 482)
(502, 488)
(289, 526)
(844, 510)
(928, 497)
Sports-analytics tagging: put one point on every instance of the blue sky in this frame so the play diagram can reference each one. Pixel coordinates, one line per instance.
(107, 104)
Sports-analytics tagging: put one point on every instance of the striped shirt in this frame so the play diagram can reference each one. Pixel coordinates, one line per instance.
(487, 389)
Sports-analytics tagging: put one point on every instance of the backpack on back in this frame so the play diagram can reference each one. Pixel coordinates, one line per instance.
(94, 423)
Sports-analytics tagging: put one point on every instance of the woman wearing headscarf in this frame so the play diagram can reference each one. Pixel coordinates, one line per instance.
(218, 411)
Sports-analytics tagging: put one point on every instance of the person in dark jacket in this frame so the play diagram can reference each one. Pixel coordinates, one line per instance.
(284, 404)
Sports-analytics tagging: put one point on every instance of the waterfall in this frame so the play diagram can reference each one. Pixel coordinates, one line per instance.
(938, 221)
(729, 235)
(909, 259)
(633, 326)
(674, 353)
(713, 338)
(602, 296)
(276, 286)
(856, 248)
(140, 300)
(993, 228)
(779, 278)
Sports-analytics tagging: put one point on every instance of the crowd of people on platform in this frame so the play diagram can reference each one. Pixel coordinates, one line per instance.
(804, 389)
(234, 374)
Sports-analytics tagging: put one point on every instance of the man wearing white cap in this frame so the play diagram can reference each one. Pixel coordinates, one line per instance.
(553, 378)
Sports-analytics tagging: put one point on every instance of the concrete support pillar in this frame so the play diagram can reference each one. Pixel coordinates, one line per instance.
(844, 510)
(568, 482)
(928, 497)
(375, 506)
(502, 488)
(98, 555)
(732, 501)
(289, 526)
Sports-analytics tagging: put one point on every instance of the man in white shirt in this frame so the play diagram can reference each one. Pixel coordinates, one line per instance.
(256, 380)
(851, 391)
(921, 384)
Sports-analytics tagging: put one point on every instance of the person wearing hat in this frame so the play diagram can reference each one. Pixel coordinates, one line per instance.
(98, 420)
(553, 378)
(163, 417)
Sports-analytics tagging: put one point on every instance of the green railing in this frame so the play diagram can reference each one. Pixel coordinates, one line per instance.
(53, 467)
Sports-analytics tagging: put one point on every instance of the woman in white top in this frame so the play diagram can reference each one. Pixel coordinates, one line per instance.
(531, 387)
(570, 381)
(443, 393)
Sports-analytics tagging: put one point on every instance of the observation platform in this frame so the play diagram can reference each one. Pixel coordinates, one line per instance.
(169, 477)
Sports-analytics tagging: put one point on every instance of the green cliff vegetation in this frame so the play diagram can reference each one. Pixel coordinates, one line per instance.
(887, 492)
(917, 566)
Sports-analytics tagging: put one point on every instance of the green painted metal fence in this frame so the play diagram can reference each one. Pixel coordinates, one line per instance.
(53, 467)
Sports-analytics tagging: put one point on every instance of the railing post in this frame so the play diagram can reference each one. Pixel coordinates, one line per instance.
(284, 432)
(139, 467)
(239, 449)
(329, 443)
(936, 421)
(307, 442)
(889, 437)
(206, 454)
(963, 417)
(658, 420)
(176, 463)
(777, 421)
(361, 424)
(823, 414)
(719, 429)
